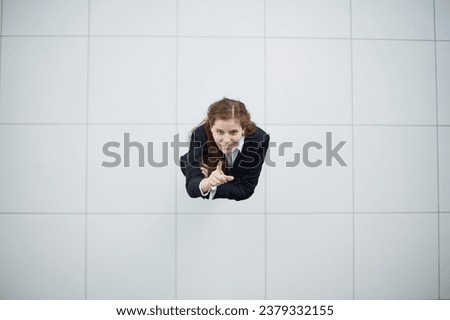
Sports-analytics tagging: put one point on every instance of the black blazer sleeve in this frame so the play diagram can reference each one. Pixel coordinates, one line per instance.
(191, 162)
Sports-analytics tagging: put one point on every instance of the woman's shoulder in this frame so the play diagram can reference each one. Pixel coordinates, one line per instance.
(259, 135)
(199, 132)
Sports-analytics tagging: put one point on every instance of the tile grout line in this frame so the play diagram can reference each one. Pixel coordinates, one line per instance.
(265, 127)
(181, 123)
(220, 37)
(353, 152)
(233, 212)
(437, 151)
(176, 168)
(87, 157)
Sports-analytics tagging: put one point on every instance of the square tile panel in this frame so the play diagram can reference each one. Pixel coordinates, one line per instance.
(210, 69)
(132, 80)
(133, 17)
(220, 256)
(42, 256)
(131, 169)
(394, 82)
(45, 17)
(395, 169)
(308, 18)
(396, 256)
(401, 19)
(43, 168)
(309, 256)
(43, 80)
(221, 18)
(309, 81)
(309, 169)
(131, 256)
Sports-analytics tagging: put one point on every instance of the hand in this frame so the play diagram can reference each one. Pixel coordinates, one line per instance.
(217, 177)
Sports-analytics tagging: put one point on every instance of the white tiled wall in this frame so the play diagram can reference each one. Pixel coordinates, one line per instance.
(445, 255)
(137, 187)
(43, 168)
(308, 18)
(394, 82)
(396, 256)
(133, 17)
(125, 82)
(221, 256)
(444, 169)
(45, 17)
(131, 256)
(316, 84)
(211, 68)
(395, 169)
(43, 256)
(324, 241)
(76, 75)
(43, 79)
(442, 24)
(293, 186)
(215, 18)
(443, 81)
(400, 19)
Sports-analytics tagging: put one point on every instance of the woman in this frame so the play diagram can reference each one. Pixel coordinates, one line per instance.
(226, 153)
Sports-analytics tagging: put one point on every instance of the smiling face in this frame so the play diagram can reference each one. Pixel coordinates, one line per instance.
(226, 134)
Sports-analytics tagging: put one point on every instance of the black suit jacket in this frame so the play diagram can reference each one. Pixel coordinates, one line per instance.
(246, 167)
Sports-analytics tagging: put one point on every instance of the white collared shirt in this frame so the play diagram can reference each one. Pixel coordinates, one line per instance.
(231, 157)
